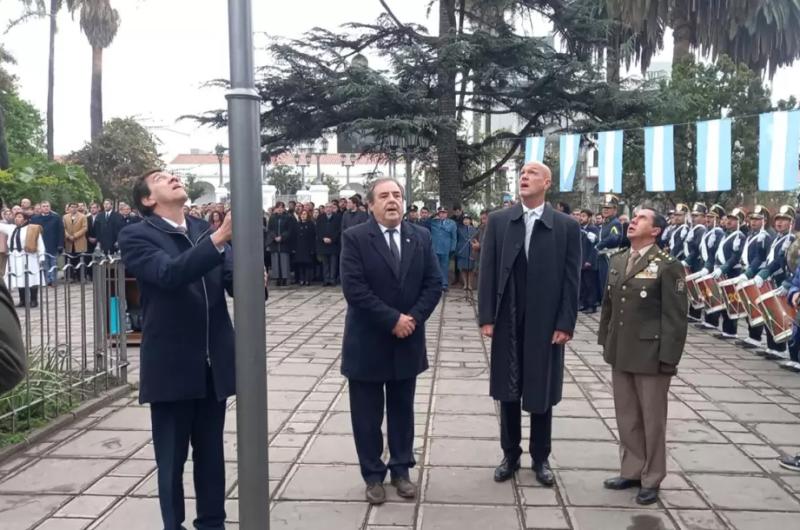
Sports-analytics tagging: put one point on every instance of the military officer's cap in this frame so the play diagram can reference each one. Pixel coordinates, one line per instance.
(739, 214)
(786, 212)
(759, 212)
(717, 210)
(681, 208)
(699, 208)
(610, 200)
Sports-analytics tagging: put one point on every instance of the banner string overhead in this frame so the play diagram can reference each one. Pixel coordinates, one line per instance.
(659, 163)
(569, 152)
(610, 162)
(714, 155)
(534, 149)
(779, 146)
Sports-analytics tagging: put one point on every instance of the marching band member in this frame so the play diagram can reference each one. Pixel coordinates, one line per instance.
(754, 255)
(709, 244)
(666, 237)
(693, 258)
(680, 233)
(610, 239)
(774, 268)
(728, 256)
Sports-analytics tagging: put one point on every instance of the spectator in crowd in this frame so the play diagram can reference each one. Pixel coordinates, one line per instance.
(305, 248)
(26, 206)
(290, 208)
(458, 218)
(342, 205)
(466, 234)
(363, 208)
(53, 235)
(12, 349)
(215, 220)
(590, 234)
(443, 235)
(3, 245)
(7, 216)
(598, 220)
(353, 216)
(82, 208)
(329, 230)
(390, 280)
(127, 217)
(425, 218)
(75, 242)
(280, 232)
(187, 350)
(564, 207)
(26, 252)
(315, 214)
(477, 241)
(107, 227)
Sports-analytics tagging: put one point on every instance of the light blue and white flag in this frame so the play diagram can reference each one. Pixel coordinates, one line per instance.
(659, 159)
(534, 149)
(714, 155)
(570, 146)
(778, 150)
(610, 161)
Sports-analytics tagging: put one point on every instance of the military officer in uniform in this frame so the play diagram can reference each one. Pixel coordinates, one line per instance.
(680, 233)
(643, 331)
(666, 236)
(692, 255)
(728, 262)
(774, 269)
(709, 244)
(610, 239)
(754, 255)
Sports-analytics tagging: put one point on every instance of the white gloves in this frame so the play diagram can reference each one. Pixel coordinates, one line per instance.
(759, 281)
(717, 273)
(782, 291)
(684, 263)
(704, 272)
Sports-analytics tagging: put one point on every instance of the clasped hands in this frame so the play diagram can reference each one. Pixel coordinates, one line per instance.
(405, 326)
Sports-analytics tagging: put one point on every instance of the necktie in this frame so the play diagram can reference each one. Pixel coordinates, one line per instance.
(632, 259)
(394, 248)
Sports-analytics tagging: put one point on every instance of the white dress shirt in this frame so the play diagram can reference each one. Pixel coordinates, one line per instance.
(185, 230)
(396, 235)
(531, 215)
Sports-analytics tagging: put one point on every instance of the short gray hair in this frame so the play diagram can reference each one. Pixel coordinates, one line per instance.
(381, 180)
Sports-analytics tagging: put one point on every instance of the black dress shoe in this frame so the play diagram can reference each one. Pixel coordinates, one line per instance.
(375, 493)
(619, 483)
(647, 496)
(505, 470)
(544, 475)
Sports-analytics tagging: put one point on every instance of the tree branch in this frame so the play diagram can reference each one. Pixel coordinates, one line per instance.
(517, 141)
(405, 28)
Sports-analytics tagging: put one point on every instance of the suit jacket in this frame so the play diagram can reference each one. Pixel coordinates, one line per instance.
(550, 304)
(91, 232)
(332, 229)
(377, 293)
(78, 230)
(107, 230)
(643, 322)
(12, 349)
(182, 281)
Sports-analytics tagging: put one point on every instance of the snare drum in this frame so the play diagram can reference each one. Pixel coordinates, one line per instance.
(693, 290)
(733, 302)
(712, 294)
(749, 293)
(778, 315)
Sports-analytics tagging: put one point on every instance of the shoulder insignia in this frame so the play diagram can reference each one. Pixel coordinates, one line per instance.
(680, 286)
(614, 230)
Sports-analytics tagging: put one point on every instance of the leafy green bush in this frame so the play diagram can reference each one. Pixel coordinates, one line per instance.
(38, 179)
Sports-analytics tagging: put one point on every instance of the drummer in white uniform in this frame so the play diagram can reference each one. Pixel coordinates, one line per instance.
(728, 262)
(755, 252)
(709, 244)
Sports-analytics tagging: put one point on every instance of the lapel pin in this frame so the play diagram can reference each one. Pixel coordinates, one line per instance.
(408, 240)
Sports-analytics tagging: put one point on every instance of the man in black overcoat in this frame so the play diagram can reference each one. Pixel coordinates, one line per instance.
(106, 227)
(329, 232)
(528, 304)
(391, 281)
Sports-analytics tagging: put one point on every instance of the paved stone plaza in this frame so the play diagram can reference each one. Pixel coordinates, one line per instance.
(731, 413)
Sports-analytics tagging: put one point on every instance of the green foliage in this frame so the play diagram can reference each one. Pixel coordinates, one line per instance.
(38, 179)
(23, 126)
(332, 183)
(123, 151)
(194, 188)
(285, 179)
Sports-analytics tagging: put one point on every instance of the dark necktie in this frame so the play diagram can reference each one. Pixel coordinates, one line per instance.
(394, 248)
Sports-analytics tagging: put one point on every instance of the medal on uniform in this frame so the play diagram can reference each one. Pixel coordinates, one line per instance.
(652, 268)
(643, 294)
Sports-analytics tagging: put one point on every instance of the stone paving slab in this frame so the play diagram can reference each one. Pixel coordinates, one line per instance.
(731, 414)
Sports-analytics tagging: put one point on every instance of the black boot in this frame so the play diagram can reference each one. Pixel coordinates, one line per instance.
(35, 296)
(21, 297)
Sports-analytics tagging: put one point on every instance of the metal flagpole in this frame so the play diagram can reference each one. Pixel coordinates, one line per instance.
(248, 272)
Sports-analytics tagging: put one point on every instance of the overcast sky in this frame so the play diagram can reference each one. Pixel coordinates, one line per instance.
(166, 49)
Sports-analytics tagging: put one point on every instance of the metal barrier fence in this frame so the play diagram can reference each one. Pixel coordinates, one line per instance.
(75, 332)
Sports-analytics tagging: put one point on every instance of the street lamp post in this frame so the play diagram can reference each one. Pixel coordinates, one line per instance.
(347, 162)
(302, 162)
(244, 125)
(219, 150)
(318, 154)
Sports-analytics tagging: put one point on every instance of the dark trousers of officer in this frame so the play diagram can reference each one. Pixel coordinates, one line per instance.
(366, 415)
(695, 313)
(589, 289)
(602, 276)
(754, 332)
(775, 346)
(176, 424)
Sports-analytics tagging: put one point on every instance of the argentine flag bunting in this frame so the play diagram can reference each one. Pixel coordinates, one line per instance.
(714, 155)
(534, 149)
(659, 159)
(569, 151)
(778, 150)
(610, 161)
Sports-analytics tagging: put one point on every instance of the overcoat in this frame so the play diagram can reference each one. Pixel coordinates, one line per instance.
(551, 303)
(77, 228)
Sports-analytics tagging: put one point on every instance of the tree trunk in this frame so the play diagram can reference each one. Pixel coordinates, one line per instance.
(682, 33)
(446, 146)
(51, 78)
(612, 59)
(4, 162)
(97, 92)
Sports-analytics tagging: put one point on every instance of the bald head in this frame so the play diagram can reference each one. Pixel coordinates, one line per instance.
(534, 181)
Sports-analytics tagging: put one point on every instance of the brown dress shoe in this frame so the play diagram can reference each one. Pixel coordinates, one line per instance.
(375, 493)
(405, 488)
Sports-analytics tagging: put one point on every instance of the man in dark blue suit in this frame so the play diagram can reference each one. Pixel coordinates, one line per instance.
(391, 281)
(590, 234)
(187, 351)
